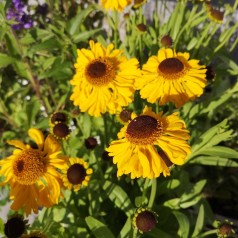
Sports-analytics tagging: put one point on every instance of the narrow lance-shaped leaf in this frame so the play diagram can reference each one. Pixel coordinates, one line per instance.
(118, 196)
(200, 222)
(99, 229)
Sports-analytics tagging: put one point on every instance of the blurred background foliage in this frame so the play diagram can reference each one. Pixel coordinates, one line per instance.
(36, 65)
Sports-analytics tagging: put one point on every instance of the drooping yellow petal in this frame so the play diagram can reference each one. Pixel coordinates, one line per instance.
(37, 136)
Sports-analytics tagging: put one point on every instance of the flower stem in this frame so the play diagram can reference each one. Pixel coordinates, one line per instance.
(152, 193)
(105, 129)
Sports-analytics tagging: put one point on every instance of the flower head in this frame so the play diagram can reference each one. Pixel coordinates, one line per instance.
(15, 226)
(117, 5)
(137, 151)
(144, 220)
(225, 229)
(171, 77)
(166, 41)
(104, 80)
(76, 174)
(124, 116)
(32, 173)
(90, 143)
(58, 117)
(214, 14)
(60, 131)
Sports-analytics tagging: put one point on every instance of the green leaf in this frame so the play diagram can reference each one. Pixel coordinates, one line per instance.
(83, 36)
(159, 233)
(172, 203)
(140, 201)
(212, 136)
(119, 197)
(183, 224)
(32, 108)
(220, 151)
(99, 229)
(126, 229)
(166, 185)
(49, 44)
(5, 60)
(192, 43)
(73, 25)
(213, 161)
(191, 197)
(59, 213)
(200, 222)
(1, 226)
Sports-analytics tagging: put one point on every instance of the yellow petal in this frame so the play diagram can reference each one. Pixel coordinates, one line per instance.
(17, 144)
(37, 136)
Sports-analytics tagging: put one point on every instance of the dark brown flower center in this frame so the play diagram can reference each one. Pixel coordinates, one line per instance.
(96, 69)
(20, 165)
(146, 221)
(125, 115)
(61, 130)
(218, 15)
(143, 130)
(28, 166)
(91, 143)
(58, 117)
(100, 71)
(76, 174)
(166, 41)
(14, 227)
(171, 66)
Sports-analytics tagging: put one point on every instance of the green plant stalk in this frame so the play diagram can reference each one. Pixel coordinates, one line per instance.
(5, 113)
(30, 77)
(115, 29)
(152, 193)
(105, 129)
(134, 233)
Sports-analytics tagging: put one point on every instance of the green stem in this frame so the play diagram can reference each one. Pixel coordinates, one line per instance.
(152, 193)
(34, 83)
(134, 233)
(115, 29)
(105, 129)
(7, 116)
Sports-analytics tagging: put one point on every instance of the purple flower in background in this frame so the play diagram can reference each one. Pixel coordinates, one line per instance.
(18, 14)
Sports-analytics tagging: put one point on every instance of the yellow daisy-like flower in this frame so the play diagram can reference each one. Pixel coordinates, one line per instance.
(136, 150)
(118, 5)
(171, 77)
(76, 174)
(214, 14)
(32, 172)
(104, 80)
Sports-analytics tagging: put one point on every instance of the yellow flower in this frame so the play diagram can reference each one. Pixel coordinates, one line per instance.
(137, 150)
(76, 174)
(118, 5)
(214, 14)
(104, 80)
(31, 172)
(171, 77)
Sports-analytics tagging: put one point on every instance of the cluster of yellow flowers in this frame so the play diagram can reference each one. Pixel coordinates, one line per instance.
(36, 173)
(105, 81)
